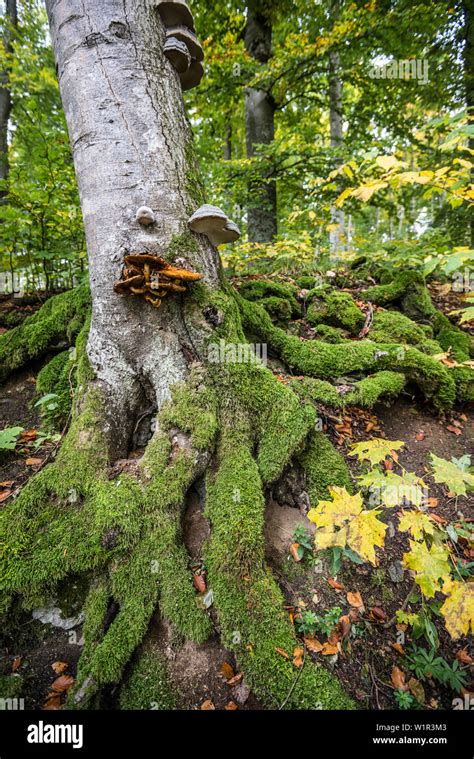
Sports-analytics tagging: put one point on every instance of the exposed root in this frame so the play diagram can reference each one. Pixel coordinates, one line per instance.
(56, 324)
(322, 361)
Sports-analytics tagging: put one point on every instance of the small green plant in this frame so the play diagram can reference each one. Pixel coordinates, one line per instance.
(305, 541)
(9, 438)
(404, 699)
(47, 402)
(309, 623)
(306, 623)
(427, 665)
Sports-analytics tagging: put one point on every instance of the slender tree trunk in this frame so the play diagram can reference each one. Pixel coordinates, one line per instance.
(130, 139)
(260, 126)
(11, 20)
(468, 12)
(336, 133)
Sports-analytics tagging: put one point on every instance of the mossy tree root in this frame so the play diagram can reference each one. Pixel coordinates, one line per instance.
(57, 323)
(322, 361)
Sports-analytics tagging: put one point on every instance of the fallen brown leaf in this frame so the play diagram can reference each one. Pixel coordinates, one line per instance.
(298, 657)
(281, 652)
(7, 484)
(454, 430)
(236, 679)
(345, 624)
(231, 707)
(227, 671)
(59, 667)
(199, 582)
(463, 656)
(33, 462)
(52, 702)
(417, 689)
(5, 495)
(313, 644)
(16, 663)
(398, 679)
(355, 600)
(63, 683)
(329, 649)
(294, 551)
(432, 503)
(398, 648)
(207, 706)
(335, 584)
(378, 614)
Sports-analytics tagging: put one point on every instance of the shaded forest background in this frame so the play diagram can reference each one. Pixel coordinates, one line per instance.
(358, 158)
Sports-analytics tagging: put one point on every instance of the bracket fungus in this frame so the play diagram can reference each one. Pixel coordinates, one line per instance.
(175, 13)
(178, 54)
(152, 277)
(185, 35)
(215, 224)
(145, 216)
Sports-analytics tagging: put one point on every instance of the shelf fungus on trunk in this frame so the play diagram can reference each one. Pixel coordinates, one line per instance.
(178, 54)
(182, 47)
(215, 224)
(175, 13)
(153, 278)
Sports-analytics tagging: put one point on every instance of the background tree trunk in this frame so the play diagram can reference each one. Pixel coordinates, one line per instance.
(260, 127)
(336, 131)
(468, 11)
(131, 143)
(11, 20)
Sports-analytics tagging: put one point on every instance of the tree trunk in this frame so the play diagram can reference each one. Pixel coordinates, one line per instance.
(130, 139)
(468, 12)
(337, 234)
(11, 21)
(260, 127)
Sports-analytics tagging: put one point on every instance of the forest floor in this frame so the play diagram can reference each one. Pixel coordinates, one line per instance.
(206, 675)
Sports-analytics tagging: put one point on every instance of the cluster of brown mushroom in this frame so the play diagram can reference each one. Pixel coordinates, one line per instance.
(182, 47)
(153, 278)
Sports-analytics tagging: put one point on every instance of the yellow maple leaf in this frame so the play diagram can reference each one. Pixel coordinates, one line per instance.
(375, 450)
(327, 538)
(417, 523)
(458, 609)
(334, 513)
(366, 532)
(430, 565)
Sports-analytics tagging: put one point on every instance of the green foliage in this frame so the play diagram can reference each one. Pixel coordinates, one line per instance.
(427, 665)
(9, 438)
(404, 699)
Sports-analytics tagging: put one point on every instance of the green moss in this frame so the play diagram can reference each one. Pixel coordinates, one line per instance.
(279, 309)
(394, 327)
(10, 686)
(148, 685)
(366, 392)
(316, 359)
(261, 289)
(328, 334)
(249, 602)
(54, 378)
(180, 245)
(408, 288)
(452, 338)
(464, 378)
(323, 467)
(60, 319)
(338, 309)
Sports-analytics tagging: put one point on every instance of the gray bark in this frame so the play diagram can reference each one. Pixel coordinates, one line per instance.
(129, 135)
(11, 20)
(260, 127)
(336, 132)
